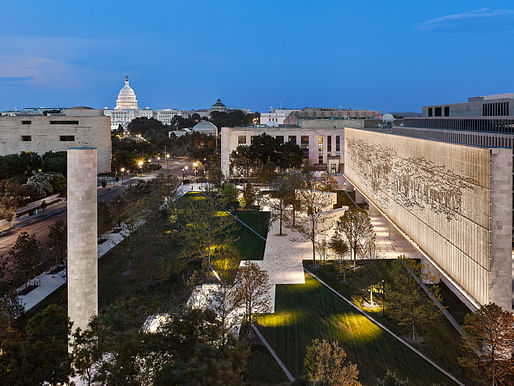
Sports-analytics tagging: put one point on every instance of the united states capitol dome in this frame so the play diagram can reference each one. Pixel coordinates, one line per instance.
(126, 97)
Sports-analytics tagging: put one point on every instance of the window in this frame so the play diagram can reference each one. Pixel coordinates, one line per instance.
(280, 139)
(446, 111)
(64, 122)
(26, 138)
(26, 122)
(338, 143)
(320, 159)
(241, 140)
(67, 138)
(320, 143)
(333, 168)
(430, 111)
(329, 144)
(292, 139)
(305, 145)
(437, 111)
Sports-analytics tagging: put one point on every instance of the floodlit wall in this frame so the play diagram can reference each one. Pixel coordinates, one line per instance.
(453, 200)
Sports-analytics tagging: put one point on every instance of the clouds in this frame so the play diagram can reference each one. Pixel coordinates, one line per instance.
(483, 20)
(47, 61)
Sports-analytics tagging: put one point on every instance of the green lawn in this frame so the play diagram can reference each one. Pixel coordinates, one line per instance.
(262, 369)
(250, 246)
(308, 311)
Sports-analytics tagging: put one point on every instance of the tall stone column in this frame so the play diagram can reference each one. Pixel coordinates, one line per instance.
(82, 236)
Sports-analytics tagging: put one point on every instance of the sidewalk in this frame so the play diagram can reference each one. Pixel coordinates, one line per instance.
(51, 282)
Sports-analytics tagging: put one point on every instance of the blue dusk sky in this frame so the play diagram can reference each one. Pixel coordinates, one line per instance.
(385, 55)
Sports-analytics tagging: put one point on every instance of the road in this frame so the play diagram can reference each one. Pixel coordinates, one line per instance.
(41, 224)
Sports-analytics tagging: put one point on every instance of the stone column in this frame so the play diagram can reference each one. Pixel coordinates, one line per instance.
(225, 151)
(82, 236)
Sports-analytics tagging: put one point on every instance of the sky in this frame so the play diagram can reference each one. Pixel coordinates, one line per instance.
(384, 55)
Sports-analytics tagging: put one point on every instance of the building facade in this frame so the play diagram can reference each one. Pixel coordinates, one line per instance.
(453, 201)
(322, 146)
(76, 127)
(275, 117)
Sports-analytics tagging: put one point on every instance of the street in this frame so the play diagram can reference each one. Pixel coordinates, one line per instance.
(40, 225)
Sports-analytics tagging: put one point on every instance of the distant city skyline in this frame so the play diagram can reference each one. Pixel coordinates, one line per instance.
(388, 57)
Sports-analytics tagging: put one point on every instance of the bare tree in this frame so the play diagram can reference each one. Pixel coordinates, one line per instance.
(355, 227)
(313, 219)
(253, 289)
(326, 364)
(488, 338)
(57, 241)
(225, 301)
(278, 200)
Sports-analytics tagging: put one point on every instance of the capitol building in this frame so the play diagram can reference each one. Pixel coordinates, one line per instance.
(127, 109)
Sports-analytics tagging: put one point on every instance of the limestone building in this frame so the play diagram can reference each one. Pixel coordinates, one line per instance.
(482, 121)
(322, 146)
(453, 202)
(75, 127)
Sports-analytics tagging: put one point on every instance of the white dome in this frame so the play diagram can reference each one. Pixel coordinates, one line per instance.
(126, 98)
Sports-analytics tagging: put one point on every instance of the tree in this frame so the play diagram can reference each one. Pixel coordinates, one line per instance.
(267, 172)
(249, 195)
(203, 225)
(7, 209)
(329, 183)
(57, 240)
(391, 379)
(289, 156)
(117, 208)
(326, 364)
(487, 341)
(278, 200)
(25, 256)
(355, 227)
(85, 352)
(243, 160)
(407, 303)
(225, 302)
(339, 246)
(10, 307)
(313, 221)
(295, 182)
(47, 345)
(253, 289)
(104, 218)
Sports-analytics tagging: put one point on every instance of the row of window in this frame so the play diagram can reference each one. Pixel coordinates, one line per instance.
(304, 141)
(486, 125)
(54, 122)
(62, 138)
(498, 109)
(437, 111)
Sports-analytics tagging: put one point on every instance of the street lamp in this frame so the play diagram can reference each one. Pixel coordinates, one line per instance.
(140, 164)
(122, 170)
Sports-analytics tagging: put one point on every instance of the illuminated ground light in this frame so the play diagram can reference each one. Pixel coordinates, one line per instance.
(221, 213)
(280, 319)
(355, 327)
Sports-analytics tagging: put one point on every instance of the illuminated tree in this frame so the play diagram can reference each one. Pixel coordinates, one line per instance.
(355, 227)
(326, 364)
(488, 338)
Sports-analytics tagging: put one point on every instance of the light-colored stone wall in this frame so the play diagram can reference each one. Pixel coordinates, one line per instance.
(90, 131)
(82, 236)
(440, 195)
